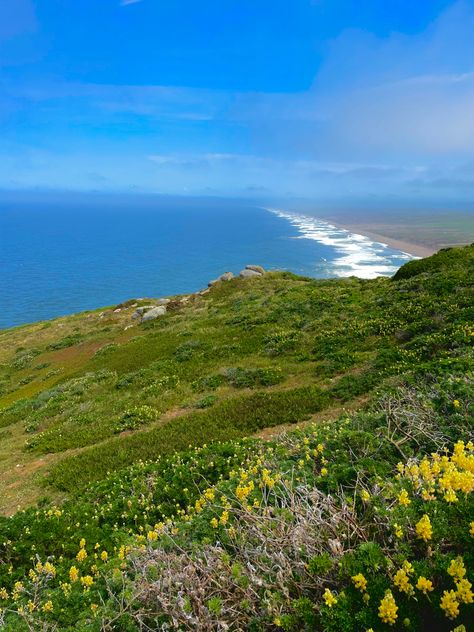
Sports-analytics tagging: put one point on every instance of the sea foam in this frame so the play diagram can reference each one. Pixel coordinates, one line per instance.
(356, 255)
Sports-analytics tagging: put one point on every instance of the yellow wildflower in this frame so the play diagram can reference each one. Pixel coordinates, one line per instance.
(471, 529)
(82, 544)
(224, 519)
(450, 496)
(104, 555)
(81, 556)
(360, 582)
(31, 606)
(403, 498)
(152, 536)
(87, 582)
(48, 606)
(425, 585)
(209, 494)
(329, 599)
(49, 569)
(464, 591)
(364, 494)
(423, 528)
(398, 530)
(402, 581)
(456, 569)
(73, 574)
(450, 604)
(456, 403)
(214, 523)
(388, 608)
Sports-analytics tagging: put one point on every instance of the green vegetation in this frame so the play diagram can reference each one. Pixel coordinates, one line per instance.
(149, 501)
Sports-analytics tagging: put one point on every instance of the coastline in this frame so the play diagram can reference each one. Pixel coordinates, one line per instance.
(416, 250)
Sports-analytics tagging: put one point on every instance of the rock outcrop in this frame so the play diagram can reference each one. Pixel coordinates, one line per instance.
(227, 276)
(153, 313)
(251, 271)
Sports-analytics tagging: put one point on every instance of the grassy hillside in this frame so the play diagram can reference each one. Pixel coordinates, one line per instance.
(131, 438)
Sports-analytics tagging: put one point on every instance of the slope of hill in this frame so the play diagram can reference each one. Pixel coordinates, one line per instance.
(156, 513)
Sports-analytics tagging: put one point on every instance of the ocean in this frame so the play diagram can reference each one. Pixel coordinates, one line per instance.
(63, 258)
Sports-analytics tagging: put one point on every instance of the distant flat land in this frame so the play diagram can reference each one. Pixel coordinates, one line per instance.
(419, 233)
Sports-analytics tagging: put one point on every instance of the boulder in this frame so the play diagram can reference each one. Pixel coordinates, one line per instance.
(153, 313)
(227, 276)
(162, 301)
(248, 274)
(140, 311)
(255, 268)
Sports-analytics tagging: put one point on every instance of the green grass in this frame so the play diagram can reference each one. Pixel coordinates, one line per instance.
(129, 427)
(69, 387)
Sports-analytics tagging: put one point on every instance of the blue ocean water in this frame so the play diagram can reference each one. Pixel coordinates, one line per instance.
(61, 259)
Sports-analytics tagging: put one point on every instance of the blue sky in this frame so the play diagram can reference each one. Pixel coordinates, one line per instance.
(330, 100)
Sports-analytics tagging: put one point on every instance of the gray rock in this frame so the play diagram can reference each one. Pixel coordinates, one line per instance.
(162, 301)
(227, 276)
(248, 274)
(255, 268)
(153, 313)
(140, 311)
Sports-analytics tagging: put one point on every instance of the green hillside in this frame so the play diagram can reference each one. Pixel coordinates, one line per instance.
(275, 453)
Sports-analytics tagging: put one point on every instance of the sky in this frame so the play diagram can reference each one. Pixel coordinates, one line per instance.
(329, 100)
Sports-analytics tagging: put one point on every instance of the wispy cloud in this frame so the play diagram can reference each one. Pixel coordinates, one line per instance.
(125, 2)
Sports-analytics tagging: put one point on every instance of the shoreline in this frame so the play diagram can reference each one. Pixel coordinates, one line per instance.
(416, 250)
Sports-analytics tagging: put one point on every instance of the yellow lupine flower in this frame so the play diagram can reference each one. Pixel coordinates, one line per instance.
(49, 569)
(464, 591)
(214, 523)
(48, 606)
(456, 569)
(329, 599)
(423, 528)
(425, 585)
(402, 581)
(388, 609)
(360, 582)
(450, 604)
(87, 582)
(403, 498)
(81, 556)
(398, 530)
(73, 574)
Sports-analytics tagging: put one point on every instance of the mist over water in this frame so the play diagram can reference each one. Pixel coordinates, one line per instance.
(61, 259)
